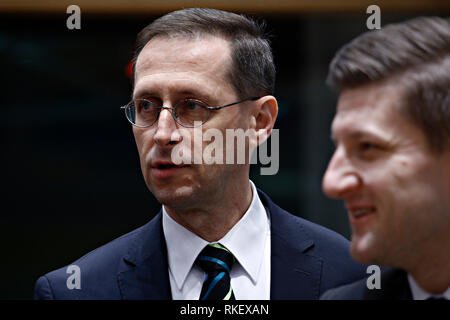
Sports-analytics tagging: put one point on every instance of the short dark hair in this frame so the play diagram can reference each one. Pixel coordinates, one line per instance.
(416, 53)
(252, 70)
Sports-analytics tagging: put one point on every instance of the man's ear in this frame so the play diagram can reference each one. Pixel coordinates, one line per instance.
(265, 114)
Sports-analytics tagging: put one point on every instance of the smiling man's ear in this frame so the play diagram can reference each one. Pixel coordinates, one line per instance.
(264, 116)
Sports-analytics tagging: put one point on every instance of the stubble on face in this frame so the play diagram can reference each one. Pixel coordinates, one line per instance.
(400, 176)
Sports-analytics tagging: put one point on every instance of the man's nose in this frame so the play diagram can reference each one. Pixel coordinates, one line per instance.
(341, 178)
(167, 133)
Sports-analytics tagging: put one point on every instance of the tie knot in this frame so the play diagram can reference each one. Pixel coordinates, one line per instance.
(215, 258)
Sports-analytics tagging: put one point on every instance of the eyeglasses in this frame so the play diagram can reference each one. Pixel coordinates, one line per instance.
(188, 112)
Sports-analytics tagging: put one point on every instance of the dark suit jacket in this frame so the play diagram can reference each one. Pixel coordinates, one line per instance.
(394, 286)
(306, 260)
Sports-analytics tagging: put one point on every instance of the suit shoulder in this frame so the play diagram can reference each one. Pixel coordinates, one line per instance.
(323, 237)
(334, 250)
(323, 244)
(350, 291)
(285, 222)
(321, 233)
(393, 285)
(97, 270)
(109, 252)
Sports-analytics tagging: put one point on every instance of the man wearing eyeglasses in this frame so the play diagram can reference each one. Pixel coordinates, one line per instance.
(217, 236)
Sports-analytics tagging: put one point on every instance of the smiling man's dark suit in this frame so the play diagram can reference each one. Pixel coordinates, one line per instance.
(306, 260)
(394, 286)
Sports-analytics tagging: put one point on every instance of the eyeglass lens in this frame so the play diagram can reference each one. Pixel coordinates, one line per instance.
(144, 113)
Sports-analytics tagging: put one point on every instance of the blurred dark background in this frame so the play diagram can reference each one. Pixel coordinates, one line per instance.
(70, 175)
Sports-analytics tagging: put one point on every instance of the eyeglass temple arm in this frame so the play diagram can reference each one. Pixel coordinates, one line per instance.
(232, 104)
(216, 108)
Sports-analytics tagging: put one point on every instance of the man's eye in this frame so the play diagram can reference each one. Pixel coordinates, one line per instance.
(144, 105)
(193, 105)
(369, 150)
(365, 146)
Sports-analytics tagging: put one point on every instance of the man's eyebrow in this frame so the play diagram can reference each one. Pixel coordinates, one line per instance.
(184, 92)
(358, 134)
(142, 92)
(194, 93)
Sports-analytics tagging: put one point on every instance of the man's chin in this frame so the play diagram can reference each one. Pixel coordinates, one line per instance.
(362, 249)
(173, 197)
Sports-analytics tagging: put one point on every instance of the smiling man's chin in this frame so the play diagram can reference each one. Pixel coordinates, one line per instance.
(363, 248)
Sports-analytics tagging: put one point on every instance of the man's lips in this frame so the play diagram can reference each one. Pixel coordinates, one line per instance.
(360, 211)
(165, 169)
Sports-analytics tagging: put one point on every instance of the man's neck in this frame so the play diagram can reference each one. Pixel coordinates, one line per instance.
(432, 270)
(211, 221)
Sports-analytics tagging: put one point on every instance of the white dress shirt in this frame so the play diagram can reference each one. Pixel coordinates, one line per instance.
(248, 241)
(419, 294)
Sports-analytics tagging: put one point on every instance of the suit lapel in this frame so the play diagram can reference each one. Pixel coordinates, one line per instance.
(144, 271)
(294, 273)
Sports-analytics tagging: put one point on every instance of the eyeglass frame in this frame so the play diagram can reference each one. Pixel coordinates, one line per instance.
(178, 102)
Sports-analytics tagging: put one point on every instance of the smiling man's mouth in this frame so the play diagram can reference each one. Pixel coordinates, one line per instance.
(361, 212)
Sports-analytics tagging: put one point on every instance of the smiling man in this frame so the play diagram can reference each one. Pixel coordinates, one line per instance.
(217, 236)
(392, 160)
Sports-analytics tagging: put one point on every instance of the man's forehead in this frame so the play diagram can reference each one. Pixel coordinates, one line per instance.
(163, 51)
(366, 108)
(385, 97)
(202, 61)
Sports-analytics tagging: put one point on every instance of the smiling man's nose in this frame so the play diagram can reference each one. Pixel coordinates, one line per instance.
(167, 133)
(341, 178)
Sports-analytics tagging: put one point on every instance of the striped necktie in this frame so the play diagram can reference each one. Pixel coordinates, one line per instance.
(216, 261)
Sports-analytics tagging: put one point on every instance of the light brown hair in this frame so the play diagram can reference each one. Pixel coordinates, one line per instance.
(417, 54)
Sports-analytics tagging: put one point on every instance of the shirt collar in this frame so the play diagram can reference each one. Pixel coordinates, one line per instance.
(246, 241)
(419, 294)
(183, 247)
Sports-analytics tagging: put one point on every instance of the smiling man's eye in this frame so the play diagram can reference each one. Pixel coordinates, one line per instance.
(364, 146)
(370, 150)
